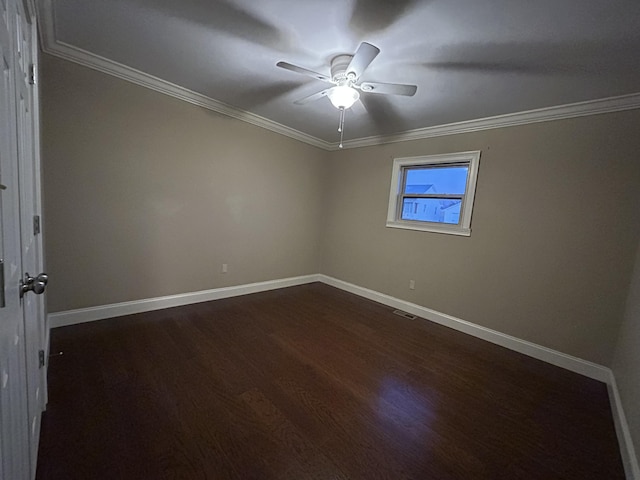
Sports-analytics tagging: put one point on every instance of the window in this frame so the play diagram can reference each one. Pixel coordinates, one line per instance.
(434, 193)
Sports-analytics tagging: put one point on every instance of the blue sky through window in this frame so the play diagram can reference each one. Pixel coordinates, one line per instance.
(452, 180)
(444, 180)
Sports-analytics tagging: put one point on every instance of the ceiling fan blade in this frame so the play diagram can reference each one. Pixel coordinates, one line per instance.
(303, 71)
(389, 88)
(312, 98)
(362, 59)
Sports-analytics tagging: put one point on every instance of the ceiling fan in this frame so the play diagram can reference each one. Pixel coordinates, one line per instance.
(346, 72)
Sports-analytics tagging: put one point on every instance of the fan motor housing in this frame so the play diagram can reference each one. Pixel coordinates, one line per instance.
(339, 68)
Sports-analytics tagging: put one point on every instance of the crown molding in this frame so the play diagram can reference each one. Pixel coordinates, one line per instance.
(547, 114)
(104, 65)
(74, 54)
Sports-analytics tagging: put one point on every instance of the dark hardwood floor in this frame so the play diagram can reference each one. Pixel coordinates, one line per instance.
(312, 383)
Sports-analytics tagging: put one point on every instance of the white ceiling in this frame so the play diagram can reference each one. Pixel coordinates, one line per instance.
(470, 59)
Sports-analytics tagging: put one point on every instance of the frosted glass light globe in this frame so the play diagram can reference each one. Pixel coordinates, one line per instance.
(343, 96)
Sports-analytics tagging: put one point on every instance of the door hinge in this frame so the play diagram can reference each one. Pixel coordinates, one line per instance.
(41, 358)
(36, 224)
(32, 74)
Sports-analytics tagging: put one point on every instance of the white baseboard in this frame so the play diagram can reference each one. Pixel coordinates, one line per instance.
(574, 364)
(82, 315)
(554, 357)
(583, 367)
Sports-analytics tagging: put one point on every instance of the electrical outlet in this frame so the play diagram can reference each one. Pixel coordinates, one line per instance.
(224, 268)
(412, 284)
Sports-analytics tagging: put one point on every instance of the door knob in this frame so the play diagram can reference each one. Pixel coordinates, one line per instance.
(36, 285)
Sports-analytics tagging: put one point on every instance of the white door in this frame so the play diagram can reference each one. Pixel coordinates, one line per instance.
(21, 326)
(27, 131)
(14, 442)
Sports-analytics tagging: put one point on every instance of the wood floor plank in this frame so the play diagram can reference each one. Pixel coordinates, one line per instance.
(312, 382)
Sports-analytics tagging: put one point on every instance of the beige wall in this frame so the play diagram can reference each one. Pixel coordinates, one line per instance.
(626, 363)
(554, 230)
(146, 195)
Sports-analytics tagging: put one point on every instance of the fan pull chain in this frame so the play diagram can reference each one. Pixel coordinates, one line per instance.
(341, 127)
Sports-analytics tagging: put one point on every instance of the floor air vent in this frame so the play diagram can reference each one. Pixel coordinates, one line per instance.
(404, 314)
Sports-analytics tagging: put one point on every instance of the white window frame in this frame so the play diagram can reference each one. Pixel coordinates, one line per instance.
(394, 218)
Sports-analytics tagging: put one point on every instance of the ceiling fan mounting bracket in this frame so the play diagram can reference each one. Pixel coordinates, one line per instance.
(339, 67)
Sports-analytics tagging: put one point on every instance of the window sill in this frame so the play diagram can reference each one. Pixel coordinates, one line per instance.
(446, 229)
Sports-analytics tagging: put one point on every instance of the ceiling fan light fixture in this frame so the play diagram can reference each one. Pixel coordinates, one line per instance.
(343, 96)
